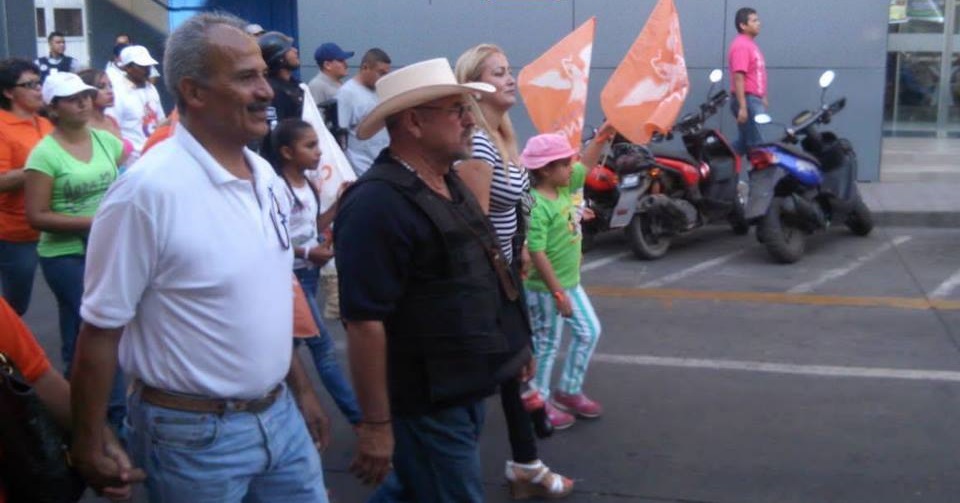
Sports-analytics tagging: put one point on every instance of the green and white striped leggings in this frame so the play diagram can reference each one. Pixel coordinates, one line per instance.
(547, 324)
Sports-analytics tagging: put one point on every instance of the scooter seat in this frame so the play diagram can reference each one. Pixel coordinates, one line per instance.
(679, 155)
(798, 152)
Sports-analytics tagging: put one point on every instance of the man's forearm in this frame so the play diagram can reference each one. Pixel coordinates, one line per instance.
(740, 89)
(297, 377)
(91, 379)
(367, 351)
(12, 180)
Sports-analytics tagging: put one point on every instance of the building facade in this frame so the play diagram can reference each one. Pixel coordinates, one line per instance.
(896, 60)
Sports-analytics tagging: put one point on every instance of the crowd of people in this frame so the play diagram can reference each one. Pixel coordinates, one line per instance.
(186, 254)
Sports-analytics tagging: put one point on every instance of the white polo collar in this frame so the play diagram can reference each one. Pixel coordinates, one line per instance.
(215, 171)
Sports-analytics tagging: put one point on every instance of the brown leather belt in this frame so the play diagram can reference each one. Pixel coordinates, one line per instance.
(177, 401)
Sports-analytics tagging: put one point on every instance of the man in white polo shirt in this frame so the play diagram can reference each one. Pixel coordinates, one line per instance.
(188, 272)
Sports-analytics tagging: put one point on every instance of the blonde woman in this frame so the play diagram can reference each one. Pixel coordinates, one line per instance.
(501, 186)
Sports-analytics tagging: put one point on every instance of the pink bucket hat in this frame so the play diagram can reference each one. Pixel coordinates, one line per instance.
(544, 149)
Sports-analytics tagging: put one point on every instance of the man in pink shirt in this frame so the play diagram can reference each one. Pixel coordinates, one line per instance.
(749, 73)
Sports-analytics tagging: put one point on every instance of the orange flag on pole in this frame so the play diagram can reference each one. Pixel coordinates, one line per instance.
(645, 93)
(554, 86)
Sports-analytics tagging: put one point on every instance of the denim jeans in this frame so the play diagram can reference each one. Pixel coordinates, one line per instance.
(436, 458)
(18, 264)
(231, 457)
(64, 275)
(323, 350)
(749, 131)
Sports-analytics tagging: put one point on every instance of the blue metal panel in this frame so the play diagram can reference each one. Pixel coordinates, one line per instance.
(799, 40)
(279, 15)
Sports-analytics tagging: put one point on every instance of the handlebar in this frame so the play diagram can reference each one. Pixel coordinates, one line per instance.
(810, 119)
(694, 120)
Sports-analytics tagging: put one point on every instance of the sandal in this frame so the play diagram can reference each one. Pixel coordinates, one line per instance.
(536, 481)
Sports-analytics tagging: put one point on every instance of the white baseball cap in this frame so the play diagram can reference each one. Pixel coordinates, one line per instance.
(62, 85)
(138, 55)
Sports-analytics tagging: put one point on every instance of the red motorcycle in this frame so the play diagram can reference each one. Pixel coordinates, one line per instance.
(655, 193)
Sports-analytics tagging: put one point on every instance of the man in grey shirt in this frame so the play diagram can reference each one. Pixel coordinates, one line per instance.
(354, 101)
(332, 61)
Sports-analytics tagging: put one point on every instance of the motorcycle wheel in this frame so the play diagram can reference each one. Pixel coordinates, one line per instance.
(644, 239)
(785, 242)
(860, 220)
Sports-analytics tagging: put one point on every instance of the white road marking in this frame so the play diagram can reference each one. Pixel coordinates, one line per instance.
(780, 368)
(947, 286)
(596, 264)
(839, 272)
(690, 271)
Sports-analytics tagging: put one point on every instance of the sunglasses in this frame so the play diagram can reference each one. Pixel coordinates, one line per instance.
(459, 110)
(279, 220)
(30, 84)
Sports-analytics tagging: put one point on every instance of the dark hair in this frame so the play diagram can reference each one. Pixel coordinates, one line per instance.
(375, 55)
(10, 71)
(287, 132)
(118, 48)
(55, 34)
(743, 17)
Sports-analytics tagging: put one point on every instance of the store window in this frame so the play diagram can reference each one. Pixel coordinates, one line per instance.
(922, 95)
(41, 24)
(69, 21)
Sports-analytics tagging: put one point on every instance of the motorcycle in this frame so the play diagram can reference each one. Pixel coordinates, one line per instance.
(656, 193)
(797, 191)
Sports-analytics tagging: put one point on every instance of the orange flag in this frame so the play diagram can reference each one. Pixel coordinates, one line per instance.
(554, 86)
(645, 93)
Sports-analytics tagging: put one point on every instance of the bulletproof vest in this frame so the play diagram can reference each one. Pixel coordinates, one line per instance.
(46, 67)
(457, 312)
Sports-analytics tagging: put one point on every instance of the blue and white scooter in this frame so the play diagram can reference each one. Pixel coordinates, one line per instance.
(794, 191)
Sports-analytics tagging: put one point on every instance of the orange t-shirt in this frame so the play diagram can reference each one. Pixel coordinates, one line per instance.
(17, 138)
(303, 322)
(163, 131)
(18, 344)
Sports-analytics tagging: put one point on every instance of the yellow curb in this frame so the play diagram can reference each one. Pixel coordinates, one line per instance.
(669, 294)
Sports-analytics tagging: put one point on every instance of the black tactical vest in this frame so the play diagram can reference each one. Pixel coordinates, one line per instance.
(454, 323)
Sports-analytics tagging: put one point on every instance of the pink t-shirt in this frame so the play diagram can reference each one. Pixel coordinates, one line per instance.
(746, 58)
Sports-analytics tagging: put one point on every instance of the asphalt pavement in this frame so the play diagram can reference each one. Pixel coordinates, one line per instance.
(728, 378)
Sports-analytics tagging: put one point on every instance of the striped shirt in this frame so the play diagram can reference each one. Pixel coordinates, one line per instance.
(505, 194)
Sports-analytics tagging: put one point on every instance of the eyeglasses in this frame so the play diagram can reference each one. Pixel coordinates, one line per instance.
(30, 84)
(459, 109)
(279, 220)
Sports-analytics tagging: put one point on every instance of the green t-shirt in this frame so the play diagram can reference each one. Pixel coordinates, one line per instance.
(78, 187)
(555, 229)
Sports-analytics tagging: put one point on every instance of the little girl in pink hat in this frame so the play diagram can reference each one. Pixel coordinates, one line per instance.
(553, 290)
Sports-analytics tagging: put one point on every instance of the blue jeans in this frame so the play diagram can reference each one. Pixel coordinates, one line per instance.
(323, 349)
(749, 131)
(231, 457)
(436, 458)
(64, 275)
(18, 264)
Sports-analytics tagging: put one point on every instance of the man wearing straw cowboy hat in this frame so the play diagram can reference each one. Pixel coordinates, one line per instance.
(429, 298)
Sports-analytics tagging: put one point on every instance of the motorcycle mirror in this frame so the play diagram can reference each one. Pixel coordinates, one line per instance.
(716, 75)
(762, 119)
(827, 78)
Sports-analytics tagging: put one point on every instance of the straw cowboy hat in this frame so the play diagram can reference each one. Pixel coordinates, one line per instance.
(414, 85)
